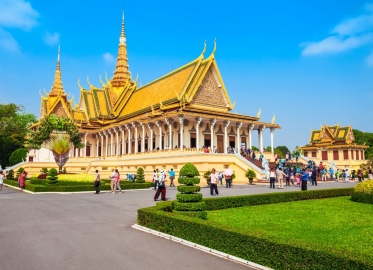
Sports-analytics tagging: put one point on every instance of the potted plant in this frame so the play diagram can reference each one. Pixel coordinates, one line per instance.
(250, 174)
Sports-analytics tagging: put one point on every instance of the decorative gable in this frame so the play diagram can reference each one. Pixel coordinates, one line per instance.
(59, 110)
(210, 92)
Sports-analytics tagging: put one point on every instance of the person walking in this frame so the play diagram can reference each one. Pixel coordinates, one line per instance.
(156, 178)
(2, 176)
(360, 175)
(280, 178)
(112, 180)
(253, 156)
(314, 177)
(260, 157)
(353, 175)
(272, 178)
(370, 173)
(287, 173)
(117, 182)
(214, 181)
(304, 177)
(172, 177)
(228, 181)
(97, 182)
(161, 189)
(21, 180)
(220, 175)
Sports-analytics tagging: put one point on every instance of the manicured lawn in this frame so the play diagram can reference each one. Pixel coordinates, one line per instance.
(334, 225)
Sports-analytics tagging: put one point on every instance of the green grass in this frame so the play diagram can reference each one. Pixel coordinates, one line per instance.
(335, 225)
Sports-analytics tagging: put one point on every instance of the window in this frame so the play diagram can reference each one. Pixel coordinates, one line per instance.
(324, 155)
(345, 154)
(335, 154)
(314, 154)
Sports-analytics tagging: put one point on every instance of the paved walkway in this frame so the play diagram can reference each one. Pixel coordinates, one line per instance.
(88, 231)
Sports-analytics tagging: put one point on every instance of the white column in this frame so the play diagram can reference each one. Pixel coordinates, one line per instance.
(181, 121)
(169, 122)
(213, 122)
(111, 141)
(238, 146)
(150, 144)
(143, 137)
(159, 125)
(121, 128)
(260, 137)
(102, 144)
(198, 123)
(226, 124)
(134, 125)
(128, 127)
(117, 139)
(273, 130)
(85, 144)
(251, 127)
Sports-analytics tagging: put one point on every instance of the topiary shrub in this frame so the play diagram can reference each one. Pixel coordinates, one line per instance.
(363, 192)
(189, 202)
(44, 170)
(52, 177)
(10, 175)
(140, 176)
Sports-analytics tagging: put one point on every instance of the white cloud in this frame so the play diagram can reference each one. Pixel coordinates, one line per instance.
(17, 14)
(7, 41)
(52, 39)
(349, 34)
(369, 60)
(108, 57)
(335, 44)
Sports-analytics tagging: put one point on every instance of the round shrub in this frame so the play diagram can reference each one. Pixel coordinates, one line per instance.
(363, 192)
(18, 156)
(188, 181)
(189, 197)
(140, 177)
(10, 175)
(194, 206)
(44, 170)
(189, 170)
(188, 189)
(52, 177)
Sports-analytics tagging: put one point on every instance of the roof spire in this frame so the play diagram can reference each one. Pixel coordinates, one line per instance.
(57, 88)
(121, 73)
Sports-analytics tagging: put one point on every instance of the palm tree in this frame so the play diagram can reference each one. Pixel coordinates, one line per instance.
(60, 145)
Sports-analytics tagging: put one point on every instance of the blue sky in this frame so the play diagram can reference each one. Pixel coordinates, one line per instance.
(307, 62)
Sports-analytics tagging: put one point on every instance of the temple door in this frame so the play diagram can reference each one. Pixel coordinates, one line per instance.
(99, 150)
(193, 140)
(324, 155)
(232, 141)
(220, 143)
(88, 151)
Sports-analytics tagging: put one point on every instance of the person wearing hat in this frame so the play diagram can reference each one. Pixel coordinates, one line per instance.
(1, 180)
(161, 187)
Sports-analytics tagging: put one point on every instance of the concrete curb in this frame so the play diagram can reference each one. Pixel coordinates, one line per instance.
(202, 248)
(78, 192)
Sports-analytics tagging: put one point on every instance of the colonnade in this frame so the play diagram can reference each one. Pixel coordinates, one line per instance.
(134, 137)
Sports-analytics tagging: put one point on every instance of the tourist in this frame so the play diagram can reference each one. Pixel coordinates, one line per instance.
(298, 179)
(272, 178)
(156, 178)
(261, 157)
(353, 175)
(276, 157)
(310, 176)
(344, 176)
(248, 152)
(253, 156)
(2, 176)
(304, 179)
(287, 173)
(331, 172)
(161, 189)
(117, 182)
(215, 150)
(220, 175)
(296, 157)
(97, 182)
(313, 176)
(228, 181)
(292, 177)
(360, 175)
(213, 184)
(337, 175)
(112, 180)
(277, 163)
(280, 178)
(22, 179)
(172, 177)
(370, 173)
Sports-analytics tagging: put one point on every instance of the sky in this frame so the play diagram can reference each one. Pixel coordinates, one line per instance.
(306, 62)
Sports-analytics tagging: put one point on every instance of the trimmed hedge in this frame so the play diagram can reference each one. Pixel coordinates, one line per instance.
(75, 187)
(189, 197)
(188, 189)
(188, 181)
(193, 206)
(243, 244)
(363, 192)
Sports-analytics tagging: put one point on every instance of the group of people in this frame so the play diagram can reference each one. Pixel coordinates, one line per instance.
(215, 178)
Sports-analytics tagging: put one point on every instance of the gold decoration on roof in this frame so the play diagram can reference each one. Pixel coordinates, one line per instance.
(273, 119)
(259, 113)
(57, 88)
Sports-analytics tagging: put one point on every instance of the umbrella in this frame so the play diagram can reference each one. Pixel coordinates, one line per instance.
(228, 172)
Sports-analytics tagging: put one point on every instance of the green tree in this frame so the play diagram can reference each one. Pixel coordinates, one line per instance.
(18, 156)
(13, 129)
(364, 138)
(283, 149)
(140, 176)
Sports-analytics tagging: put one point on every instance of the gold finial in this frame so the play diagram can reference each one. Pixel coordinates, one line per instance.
(259, 113)
(160, 104)
(233, 105)
(177, 96)
(102, 83)
(90, 85)
(80, 87)
(45, 92)
(273, 119)
(57, 88)
(204, 50)
(213, 52)
(122, 33)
